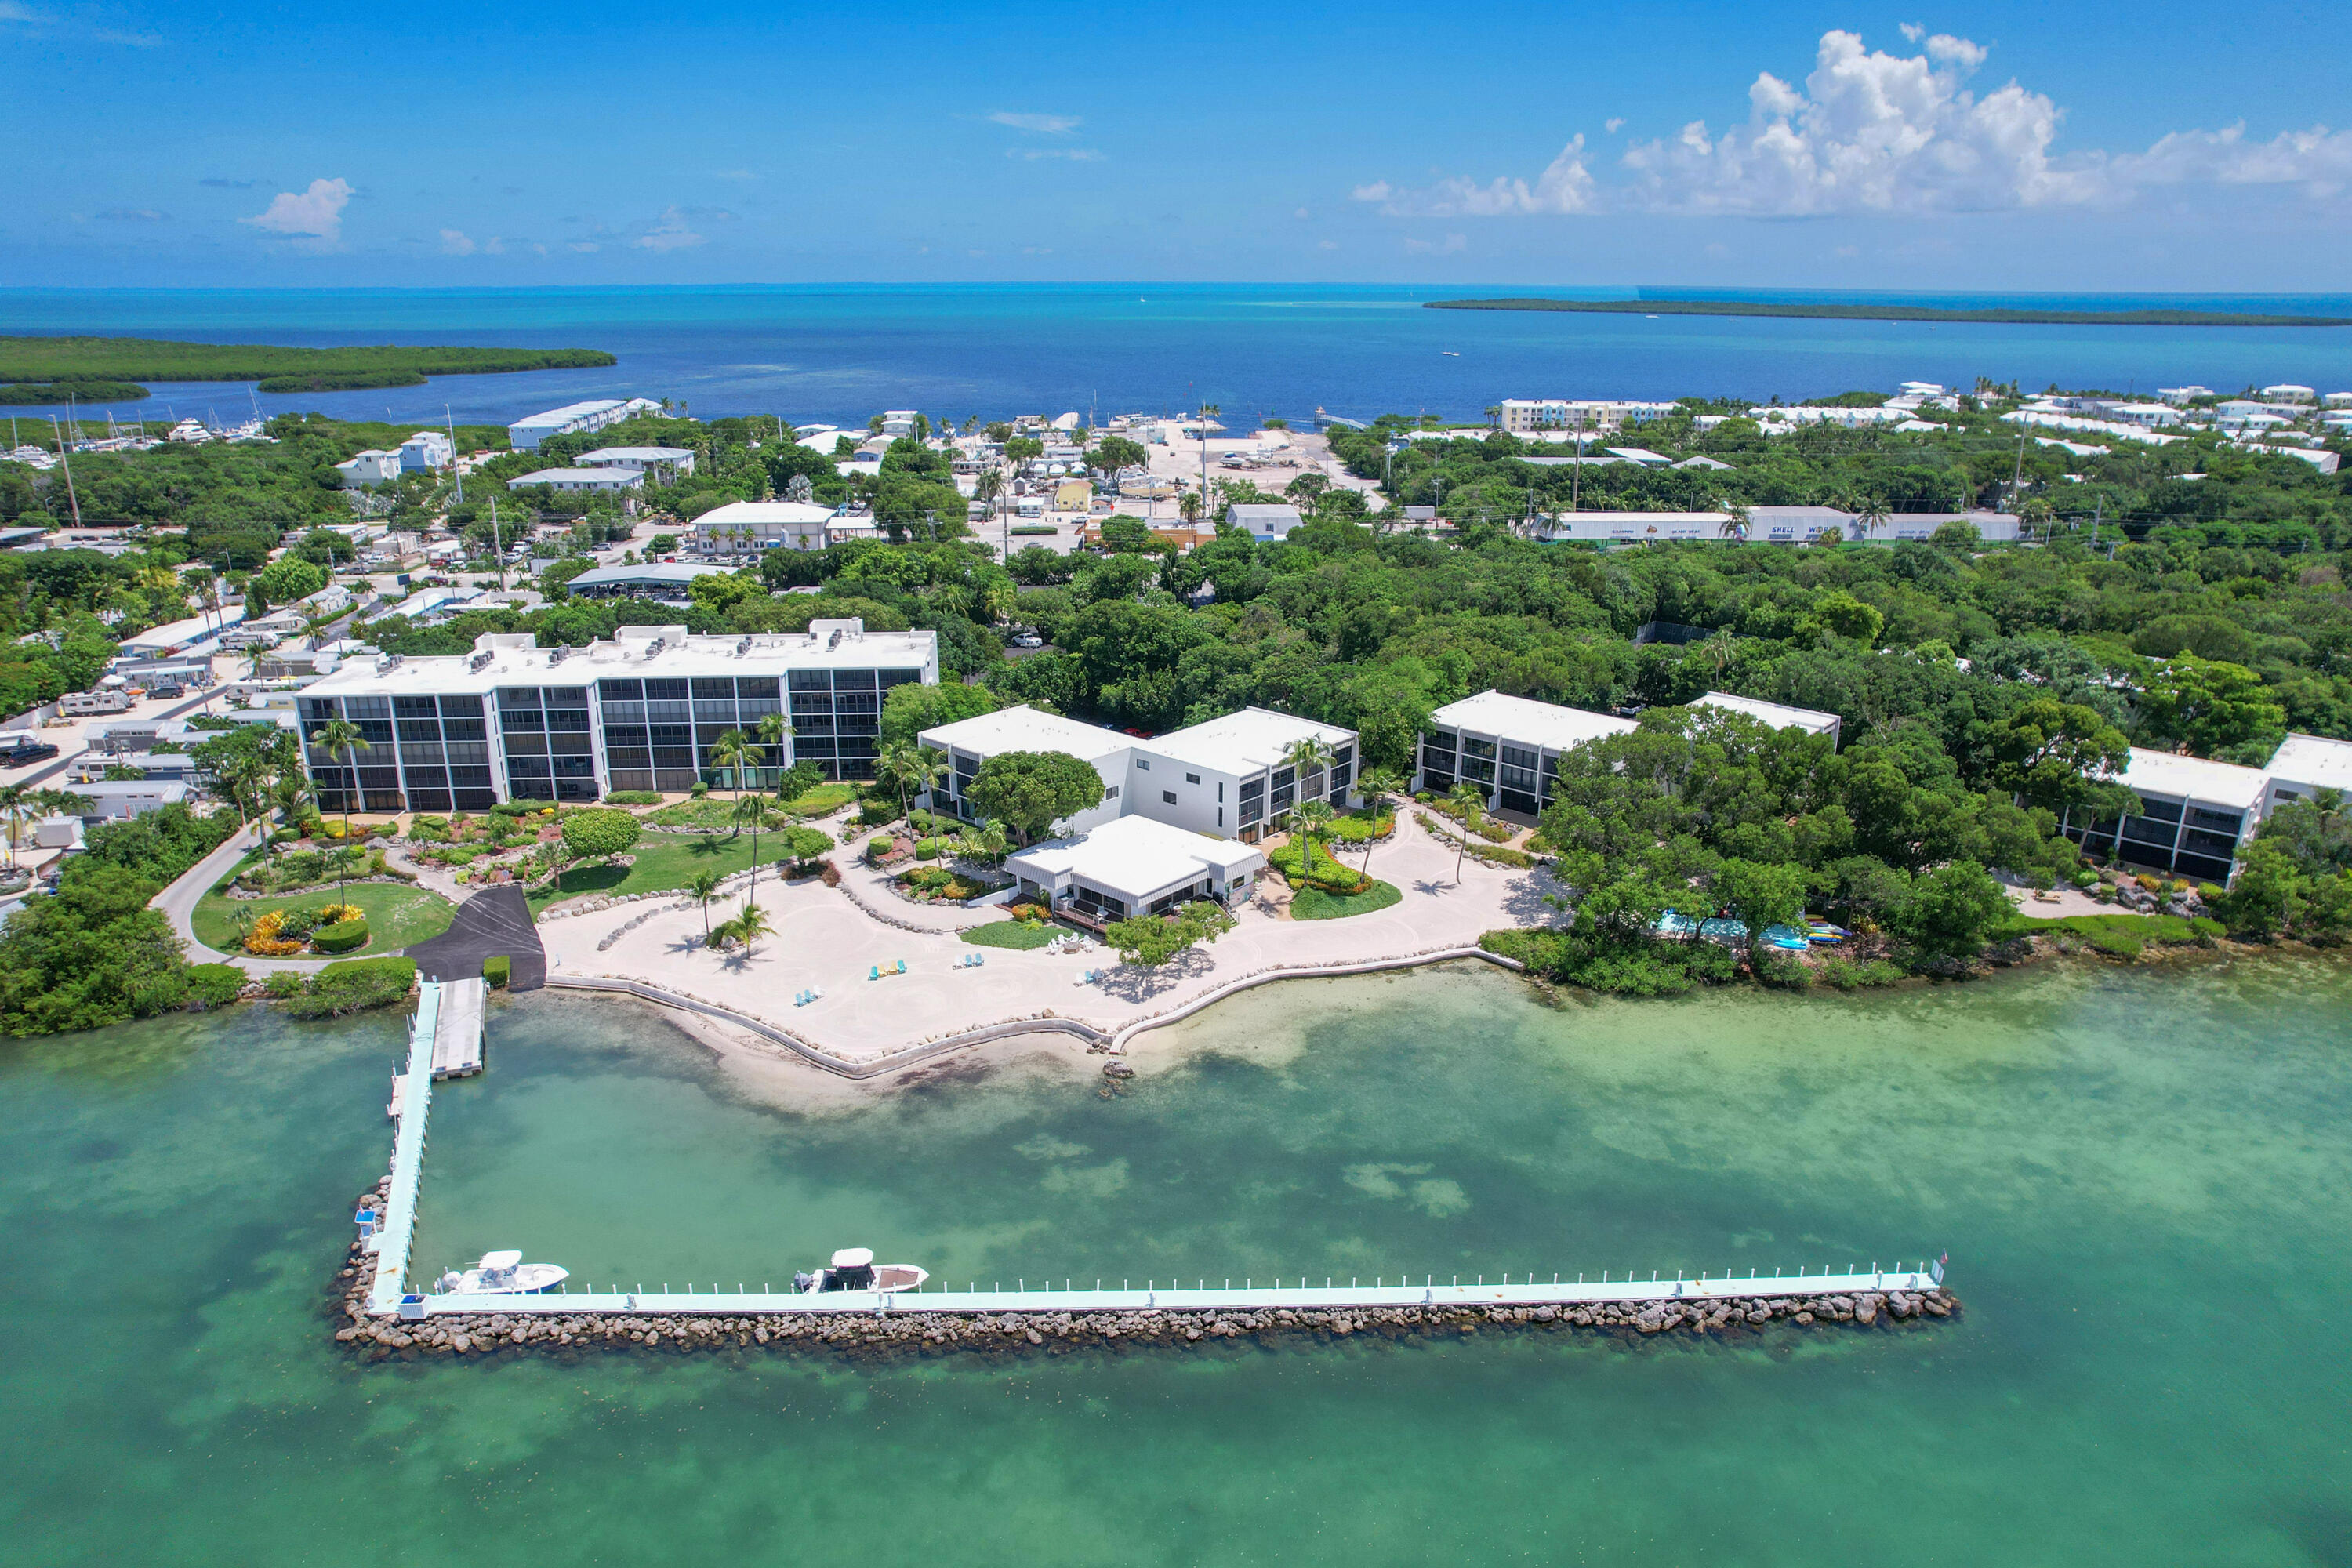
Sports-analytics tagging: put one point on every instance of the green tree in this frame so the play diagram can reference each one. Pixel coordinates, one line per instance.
(1377, 784)
(600, 832)
(2056, 754)
(734, 754)
(1758, 895)
(914, 707)
(289, 578)
(1950, 909)
(1314, 821)
(2210, 707)
(1153, 940)
(1030, 792)
(749, 924)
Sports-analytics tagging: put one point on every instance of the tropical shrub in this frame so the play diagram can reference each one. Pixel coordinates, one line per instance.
(214, 985)
(600, 832)
(633, 798)
(268, 937)
(342, 936)
(498, 971)
(341, 988)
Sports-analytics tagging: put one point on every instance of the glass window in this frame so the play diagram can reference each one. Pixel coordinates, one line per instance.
(708, 689)
(518, 696)
(664, 690)
(1472, 746)
(622, 691)
(418, 729)
(467, 706)
(889, 678)
(757, 686)
(413, 708)
(810, 679)
(1143, 765)
(466, 728)
(1191, 778)
(853, 680)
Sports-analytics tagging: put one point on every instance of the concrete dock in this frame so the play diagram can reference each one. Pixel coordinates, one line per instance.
(457, 1027)
(1171, 1296)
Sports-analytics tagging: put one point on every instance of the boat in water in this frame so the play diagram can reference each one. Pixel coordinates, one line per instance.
(501, 1274)
(854, 1268)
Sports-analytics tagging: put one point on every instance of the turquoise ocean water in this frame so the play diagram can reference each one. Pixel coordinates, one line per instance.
(2141, 1175)
(840, 353)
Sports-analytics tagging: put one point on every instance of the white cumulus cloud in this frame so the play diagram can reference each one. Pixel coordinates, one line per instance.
(454, 243)
(314, 214)
(1870, 131)
(1044, 124)
(671, 233)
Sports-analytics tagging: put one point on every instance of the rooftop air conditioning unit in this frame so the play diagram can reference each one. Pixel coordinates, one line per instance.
(835, 640)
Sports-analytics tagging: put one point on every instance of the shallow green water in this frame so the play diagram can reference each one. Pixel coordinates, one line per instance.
(2141, 1177)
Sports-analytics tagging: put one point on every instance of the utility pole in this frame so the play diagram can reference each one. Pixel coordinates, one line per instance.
(459, 474)
(2017, 478)
(1576, 470)
(497, 545)
(67, 463)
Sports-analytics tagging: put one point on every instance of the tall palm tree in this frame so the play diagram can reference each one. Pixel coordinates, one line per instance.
(703, 888)
(1735, 522)
(1303, 757)
(1314, 821)
(759, 812)
(987, 841)
(1472, 802)
(1378, 784)
(16, 808)
(340, 737)
(1720, 648)
(771, 731)
(1871, 517)
(733, 752)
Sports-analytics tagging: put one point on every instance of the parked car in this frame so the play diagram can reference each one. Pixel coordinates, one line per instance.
(26, 752)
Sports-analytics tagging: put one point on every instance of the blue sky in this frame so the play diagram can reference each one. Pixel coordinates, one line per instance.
(1991, 146)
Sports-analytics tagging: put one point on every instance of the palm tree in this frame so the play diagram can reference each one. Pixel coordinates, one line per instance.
(750, 923)
(1378, 784)
(1309, 755)
(1720, 648)
(16, 808)
(289, 793)
(1315, 820)
(1472, 802)
(733, 752)
(987, 841)
(771, 731)
(756, 810)
(339, 736)
(911, 767)
(1871, 517)
(703, 888)
(1735, 523)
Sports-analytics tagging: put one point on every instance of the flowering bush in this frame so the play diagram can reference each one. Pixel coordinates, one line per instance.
(265, 939)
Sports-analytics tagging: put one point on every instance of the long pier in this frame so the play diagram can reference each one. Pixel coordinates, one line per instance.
(449, 1011)
(1172, 1295)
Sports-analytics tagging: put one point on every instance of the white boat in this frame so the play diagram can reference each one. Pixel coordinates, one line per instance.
(854, 1268)
(501, 1273)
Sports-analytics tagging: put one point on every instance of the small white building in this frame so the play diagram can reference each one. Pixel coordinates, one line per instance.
(2180, 396)
(1134, 865)
(1507, 746)
(898, 422)
(1230, 776)
(2194, 815)
(663, 463)
(369, 469)
(1778, 715)
(591, 481)
(671, 582)
(743, 527)
(2337, 400)
(2288, 392)
(1264, 521)
(425, 452)
(116, 800)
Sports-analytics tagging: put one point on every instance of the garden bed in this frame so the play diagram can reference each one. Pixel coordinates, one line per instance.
(1314, 904)
(397, 915)
(1022, 936)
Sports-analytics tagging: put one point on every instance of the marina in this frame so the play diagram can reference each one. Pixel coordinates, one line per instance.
(502, 1285)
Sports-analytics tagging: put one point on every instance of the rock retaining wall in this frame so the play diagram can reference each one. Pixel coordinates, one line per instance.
(906, 1333)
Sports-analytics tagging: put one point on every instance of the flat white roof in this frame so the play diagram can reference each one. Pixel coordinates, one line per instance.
(2194, 778)
(174, 633)
(633, 454)
(1135, 858)
(1243, 742)
(565, 414)
(748, 512)
(654, 572)
(516, 660)
(2313, 761)
(616, 476)
(1778, 715)
(1545, 725)
(1026, 729)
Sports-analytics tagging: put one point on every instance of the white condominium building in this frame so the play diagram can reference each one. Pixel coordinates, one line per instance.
(513, 720)
(1229, 777)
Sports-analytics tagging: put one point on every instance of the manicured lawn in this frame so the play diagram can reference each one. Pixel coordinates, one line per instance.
(665, 862)
(825, 797)
(397, 915)
(1315, 904)
(1019, 935)
(712, 811)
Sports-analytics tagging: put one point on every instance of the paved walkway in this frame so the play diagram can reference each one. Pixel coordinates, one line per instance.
(823, 940)
(178, 904)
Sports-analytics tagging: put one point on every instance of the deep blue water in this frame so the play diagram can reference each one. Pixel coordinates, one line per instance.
(840, 351)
